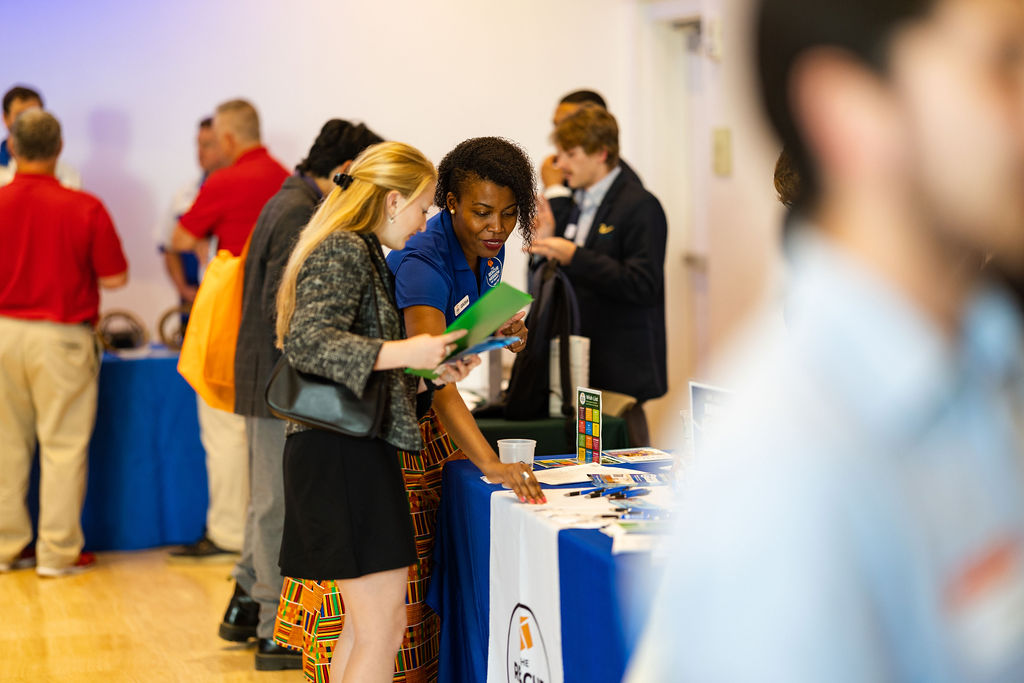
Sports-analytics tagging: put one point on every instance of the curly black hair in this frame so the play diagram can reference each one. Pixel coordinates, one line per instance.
(498, 160)
(339, 141)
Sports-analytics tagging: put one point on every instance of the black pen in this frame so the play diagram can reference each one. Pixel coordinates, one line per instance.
(581, 492)
(632, 493)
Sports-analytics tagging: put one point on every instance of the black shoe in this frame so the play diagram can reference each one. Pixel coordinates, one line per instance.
(203, 550)
(241, 617)
(273, 657)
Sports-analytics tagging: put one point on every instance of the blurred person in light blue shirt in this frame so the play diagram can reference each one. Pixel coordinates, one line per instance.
(859, 515)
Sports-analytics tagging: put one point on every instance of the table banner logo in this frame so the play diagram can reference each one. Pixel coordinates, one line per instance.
(527, 658)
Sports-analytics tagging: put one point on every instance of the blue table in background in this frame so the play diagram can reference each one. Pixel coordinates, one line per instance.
(598, 630)
(147, 469)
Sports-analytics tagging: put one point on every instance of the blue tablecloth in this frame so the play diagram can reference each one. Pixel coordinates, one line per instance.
(599, 631)
(147, 469)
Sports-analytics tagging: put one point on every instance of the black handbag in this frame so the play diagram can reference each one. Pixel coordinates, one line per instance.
(322, 403)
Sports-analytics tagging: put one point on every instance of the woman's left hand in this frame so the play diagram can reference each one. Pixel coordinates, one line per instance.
(455, 372)
(514, 327)
(519, 477)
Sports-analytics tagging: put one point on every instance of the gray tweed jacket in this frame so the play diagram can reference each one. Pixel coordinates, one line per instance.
(335, 333)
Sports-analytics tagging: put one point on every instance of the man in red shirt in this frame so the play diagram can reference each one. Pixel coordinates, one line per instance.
(60, 247)
(226, 208)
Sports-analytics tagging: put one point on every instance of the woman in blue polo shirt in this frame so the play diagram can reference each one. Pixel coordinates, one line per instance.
(485, 188)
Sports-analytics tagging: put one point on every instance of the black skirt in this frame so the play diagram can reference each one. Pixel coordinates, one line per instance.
(346, 509)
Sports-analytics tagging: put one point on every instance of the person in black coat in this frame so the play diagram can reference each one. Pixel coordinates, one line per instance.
(610, 241)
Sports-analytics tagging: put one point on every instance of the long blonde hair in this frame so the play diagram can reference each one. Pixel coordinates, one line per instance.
(379, 169)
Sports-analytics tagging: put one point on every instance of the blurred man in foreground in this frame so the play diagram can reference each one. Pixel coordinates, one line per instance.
(860, 516)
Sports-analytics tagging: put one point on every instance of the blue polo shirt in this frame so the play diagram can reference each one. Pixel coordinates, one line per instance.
(432, 271)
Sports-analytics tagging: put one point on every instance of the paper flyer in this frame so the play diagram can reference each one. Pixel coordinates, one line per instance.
(641, 454)
(642, 478)
(558, 462)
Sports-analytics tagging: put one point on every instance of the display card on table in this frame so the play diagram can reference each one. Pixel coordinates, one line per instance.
(588, 433)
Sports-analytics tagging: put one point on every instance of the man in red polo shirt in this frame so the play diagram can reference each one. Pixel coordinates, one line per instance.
(59, 248)
(226, 208)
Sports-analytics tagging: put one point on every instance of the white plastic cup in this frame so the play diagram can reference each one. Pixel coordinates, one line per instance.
(516, 450)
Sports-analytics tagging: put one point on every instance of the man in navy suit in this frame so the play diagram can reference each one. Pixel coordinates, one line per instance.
(610, 241)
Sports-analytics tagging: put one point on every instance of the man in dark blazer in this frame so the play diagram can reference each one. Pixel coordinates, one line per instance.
(610, 241)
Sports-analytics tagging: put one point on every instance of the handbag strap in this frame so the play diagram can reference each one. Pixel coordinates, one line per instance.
(373, 247)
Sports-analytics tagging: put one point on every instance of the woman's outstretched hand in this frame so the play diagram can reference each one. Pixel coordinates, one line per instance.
(426, 351)
(455, 372)
(514, 327)
(519, 477)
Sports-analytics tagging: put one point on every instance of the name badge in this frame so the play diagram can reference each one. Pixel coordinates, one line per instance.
(461, 306)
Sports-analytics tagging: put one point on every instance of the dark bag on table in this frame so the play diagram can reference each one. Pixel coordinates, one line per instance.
(554, 314)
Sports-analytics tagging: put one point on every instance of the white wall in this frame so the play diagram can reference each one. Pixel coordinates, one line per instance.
(130, 80)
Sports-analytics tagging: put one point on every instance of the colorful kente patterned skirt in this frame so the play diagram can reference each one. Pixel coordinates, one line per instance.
(310, 614)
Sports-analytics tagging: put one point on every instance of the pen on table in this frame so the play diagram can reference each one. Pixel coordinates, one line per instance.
(581, 492)
(632, 493)
(612, 491)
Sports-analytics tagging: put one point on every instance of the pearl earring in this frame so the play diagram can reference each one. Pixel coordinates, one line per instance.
(453, 211)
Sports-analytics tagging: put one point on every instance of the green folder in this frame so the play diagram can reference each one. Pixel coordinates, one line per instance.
(482, 319)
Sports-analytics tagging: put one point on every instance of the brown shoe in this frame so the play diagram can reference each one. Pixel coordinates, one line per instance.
(203, 550)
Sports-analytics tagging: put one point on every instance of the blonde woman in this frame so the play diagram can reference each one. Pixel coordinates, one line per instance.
(346, 512)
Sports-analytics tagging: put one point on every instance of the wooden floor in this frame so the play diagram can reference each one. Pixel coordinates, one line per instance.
(133, 618)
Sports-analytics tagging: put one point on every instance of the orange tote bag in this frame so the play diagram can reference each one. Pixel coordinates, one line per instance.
(207, 359)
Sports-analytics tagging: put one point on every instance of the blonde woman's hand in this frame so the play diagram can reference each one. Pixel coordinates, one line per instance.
(448, 373)
(425, 351)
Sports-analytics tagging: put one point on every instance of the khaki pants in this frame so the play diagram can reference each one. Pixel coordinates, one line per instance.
(227, 470)
(48, 385)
